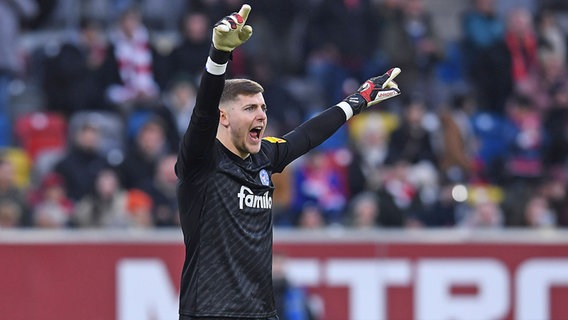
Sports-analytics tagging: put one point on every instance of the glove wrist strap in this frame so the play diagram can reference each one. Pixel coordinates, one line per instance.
(357, 102)
(219, 56)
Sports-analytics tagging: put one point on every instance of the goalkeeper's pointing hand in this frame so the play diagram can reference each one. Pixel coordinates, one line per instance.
(231, 31)
(374, 90)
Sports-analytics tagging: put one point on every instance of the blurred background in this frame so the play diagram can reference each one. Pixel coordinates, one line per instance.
(95, 95)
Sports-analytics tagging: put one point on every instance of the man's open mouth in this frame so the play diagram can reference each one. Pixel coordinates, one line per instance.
(255, 133)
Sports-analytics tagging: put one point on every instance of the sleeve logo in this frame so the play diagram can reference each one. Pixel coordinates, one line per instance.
(275, 140)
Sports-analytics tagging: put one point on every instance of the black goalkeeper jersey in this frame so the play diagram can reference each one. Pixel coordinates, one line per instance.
(225, 209)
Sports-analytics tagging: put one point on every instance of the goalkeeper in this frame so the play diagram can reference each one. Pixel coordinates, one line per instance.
(224, 168)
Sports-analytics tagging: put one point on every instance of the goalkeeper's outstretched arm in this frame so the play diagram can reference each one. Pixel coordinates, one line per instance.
(315, 131)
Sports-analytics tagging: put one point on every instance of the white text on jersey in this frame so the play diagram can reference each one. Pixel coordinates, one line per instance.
(247, 198)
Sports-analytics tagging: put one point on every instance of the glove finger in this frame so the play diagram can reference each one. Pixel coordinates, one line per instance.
(392, 73)
(244, 13)
(389, 93)
(232, 21)
(228, 22)
(222, 28)
(391, 84)
(245, 33)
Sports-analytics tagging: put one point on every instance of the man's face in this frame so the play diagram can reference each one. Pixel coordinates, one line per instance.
(245, 119)
(89, 138)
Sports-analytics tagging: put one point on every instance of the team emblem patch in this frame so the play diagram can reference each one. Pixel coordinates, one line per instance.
(264, 179)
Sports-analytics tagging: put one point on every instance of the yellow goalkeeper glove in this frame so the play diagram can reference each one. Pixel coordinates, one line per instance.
(231, 31)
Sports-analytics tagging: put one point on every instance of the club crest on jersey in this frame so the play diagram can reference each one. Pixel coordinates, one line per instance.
(264, 178)
(250, 200)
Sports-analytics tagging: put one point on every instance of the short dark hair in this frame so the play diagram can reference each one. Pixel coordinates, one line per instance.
(235, 87)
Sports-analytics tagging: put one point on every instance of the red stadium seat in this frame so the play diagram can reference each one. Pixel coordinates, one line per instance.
(38, 132)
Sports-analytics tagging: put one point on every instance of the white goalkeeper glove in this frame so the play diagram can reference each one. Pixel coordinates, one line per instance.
(231, 31)
(374, 90)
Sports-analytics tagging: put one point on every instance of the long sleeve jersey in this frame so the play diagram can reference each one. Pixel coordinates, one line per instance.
(225, 208)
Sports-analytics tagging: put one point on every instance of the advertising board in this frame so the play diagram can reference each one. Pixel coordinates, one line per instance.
(366, 276)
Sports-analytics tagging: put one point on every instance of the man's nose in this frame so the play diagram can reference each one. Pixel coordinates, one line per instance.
(261, 114)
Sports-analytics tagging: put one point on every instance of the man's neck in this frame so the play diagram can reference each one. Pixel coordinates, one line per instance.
(226, 142)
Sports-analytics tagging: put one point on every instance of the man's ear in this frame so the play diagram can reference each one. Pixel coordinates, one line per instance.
(223, 117)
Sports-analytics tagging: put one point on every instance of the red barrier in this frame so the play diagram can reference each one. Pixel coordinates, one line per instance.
(424, 275)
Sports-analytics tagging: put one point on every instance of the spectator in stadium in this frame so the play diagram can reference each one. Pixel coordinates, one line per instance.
(555, 189)
(523, 166)
(399, 197)
(551, 38)
(50, 204)
(82, 161)
(131, 72)
(161, 113)
(411, 148)
(445, 210)
(70, 77)
(185, 59)
(486, 207)
(311, 217)
(139, 209)
(369, 135)
(111, 206)
(363, 211)
(285, 56)
(389, 34)
(483, 32)
(282, 204)
(105, 206)
(526, 141)
(538, 213)
(417, 50)
(337, 54)
(10, 192)
(556, 125)
(165, 212)
(522, 45)
(144, 154)
(542, 84)
(12, 15)
(457, 157)
(321, 180)
(179, 100)
(485, 214)
(10, 214)
(411, 141)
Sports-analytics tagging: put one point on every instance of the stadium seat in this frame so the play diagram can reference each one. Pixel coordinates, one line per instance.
(38, 132)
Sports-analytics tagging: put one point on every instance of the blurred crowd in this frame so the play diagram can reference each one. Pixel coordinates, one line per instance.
(93, 105)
